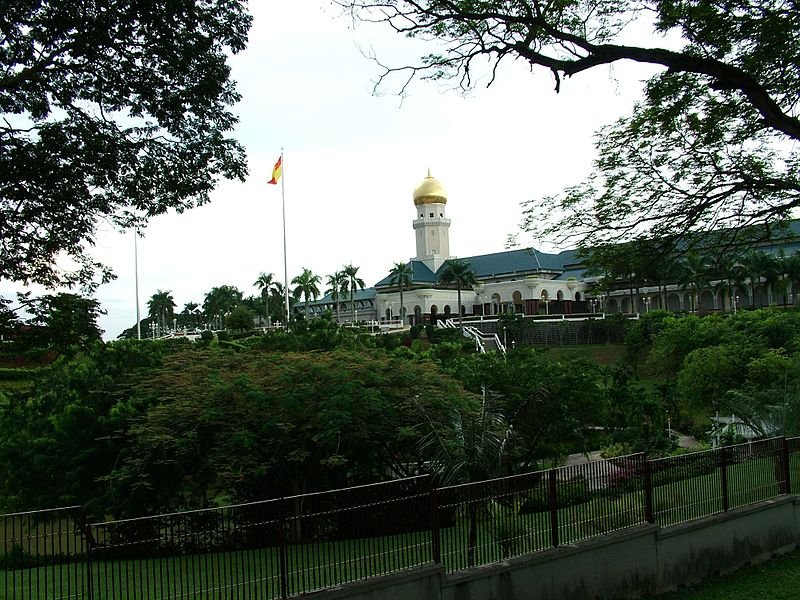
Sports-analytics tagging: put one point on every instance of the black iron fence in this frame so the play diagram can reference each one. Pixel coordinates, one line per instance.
(289, 546)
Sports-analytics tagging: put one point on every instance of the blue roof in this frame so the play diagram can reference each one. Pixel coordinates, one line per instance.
(421, 274)
(365, 294)
(520, 262)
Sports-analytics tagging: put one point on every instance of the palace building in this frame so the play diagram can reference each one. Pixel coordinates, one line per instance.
(531, 282)
(525, 281)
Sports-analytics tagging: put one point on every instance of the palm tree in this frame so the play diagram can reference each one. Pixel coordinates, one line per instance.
(265, 282)
(161, 308)
(458, 272)
(758, 265)
(336, 283)
(470, 449)
(351, 282)
(726, 270)
(189, 312)
(695, 272)
(792, 270)
(277, 299)
(307, 286)
(220, 301)
(403, 275)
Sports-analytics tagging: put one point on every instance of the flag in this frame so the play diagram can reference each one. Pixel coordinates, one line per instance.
(277, 171)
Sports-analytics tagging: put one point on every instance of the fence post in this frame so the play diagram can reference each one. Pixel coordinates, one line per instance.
(723, 465)
(552, 499)
(785, 457)
(86, 531)
(436, 552)
(648, 491)
(282, 522)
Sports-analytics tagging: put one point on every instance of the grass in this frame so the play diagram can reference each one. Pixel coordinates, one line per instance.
(601, 354)
(251, 574)
(504, 529)
(776, 579)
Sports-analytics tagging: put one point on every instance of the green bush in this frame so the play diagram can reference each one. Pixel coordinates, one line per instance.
(614, 450)
(16, 374)
(569, 493)
(415, 331)
(447, 334)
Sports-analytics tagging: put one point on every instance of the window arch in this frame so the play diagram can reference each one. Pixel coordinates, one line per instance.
(496, 303)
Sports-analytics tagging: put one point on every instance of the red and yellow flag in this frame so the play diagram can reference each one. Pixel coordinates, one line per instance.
(277, 171)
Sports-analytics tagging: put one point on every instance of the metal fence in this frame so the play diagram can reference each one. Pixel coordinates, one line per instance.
(289, 546)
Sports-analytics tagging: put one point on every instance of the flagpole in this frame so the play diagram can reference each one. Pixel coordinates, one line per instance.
(285, 269)
(136, 277)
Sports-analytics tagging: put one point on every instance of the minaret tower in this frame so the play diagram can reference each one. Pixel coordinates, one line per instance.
(431, 225)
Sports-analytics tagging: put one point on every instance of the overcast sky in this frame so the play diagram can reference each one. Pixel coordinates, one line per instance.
(352, 161)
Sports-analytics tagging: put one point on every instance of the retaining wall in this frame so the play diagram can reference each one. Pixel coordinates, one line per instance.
(626, 564)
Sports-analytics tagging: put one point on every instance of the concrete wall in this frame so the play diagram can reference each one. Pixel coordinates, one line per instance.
(643, 560)
(626, 564)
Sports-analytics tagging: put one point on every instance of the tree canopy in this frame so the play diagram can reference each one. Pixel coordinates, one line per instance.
(710, 145)
(109, 110)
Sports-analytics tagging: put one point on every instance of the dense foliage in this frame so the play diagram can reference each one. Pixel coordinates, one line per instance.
(746, 363)
(136, 426)
(114, 110)
(139, 426)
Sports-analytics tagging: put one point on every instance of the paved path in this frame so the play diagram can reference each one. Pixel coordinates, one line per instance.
(684, 441)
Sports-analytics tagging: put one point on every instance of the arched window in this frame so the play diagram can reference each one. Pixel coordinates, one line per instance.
(417, 315)
(673, 302)
(495, 303)
(545, 295)
(447, 310)
(577, 296)
(559, 295)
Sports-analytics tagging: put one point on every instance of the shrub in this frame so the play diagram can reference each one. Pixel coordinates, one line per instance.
(444, 334)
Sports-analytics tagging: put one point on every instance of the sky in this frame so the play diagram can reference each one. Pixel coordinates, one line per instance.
(353, 158)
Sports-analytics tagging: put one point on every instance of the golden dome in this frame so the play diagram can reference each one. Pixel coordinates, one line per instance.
(430, 191)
